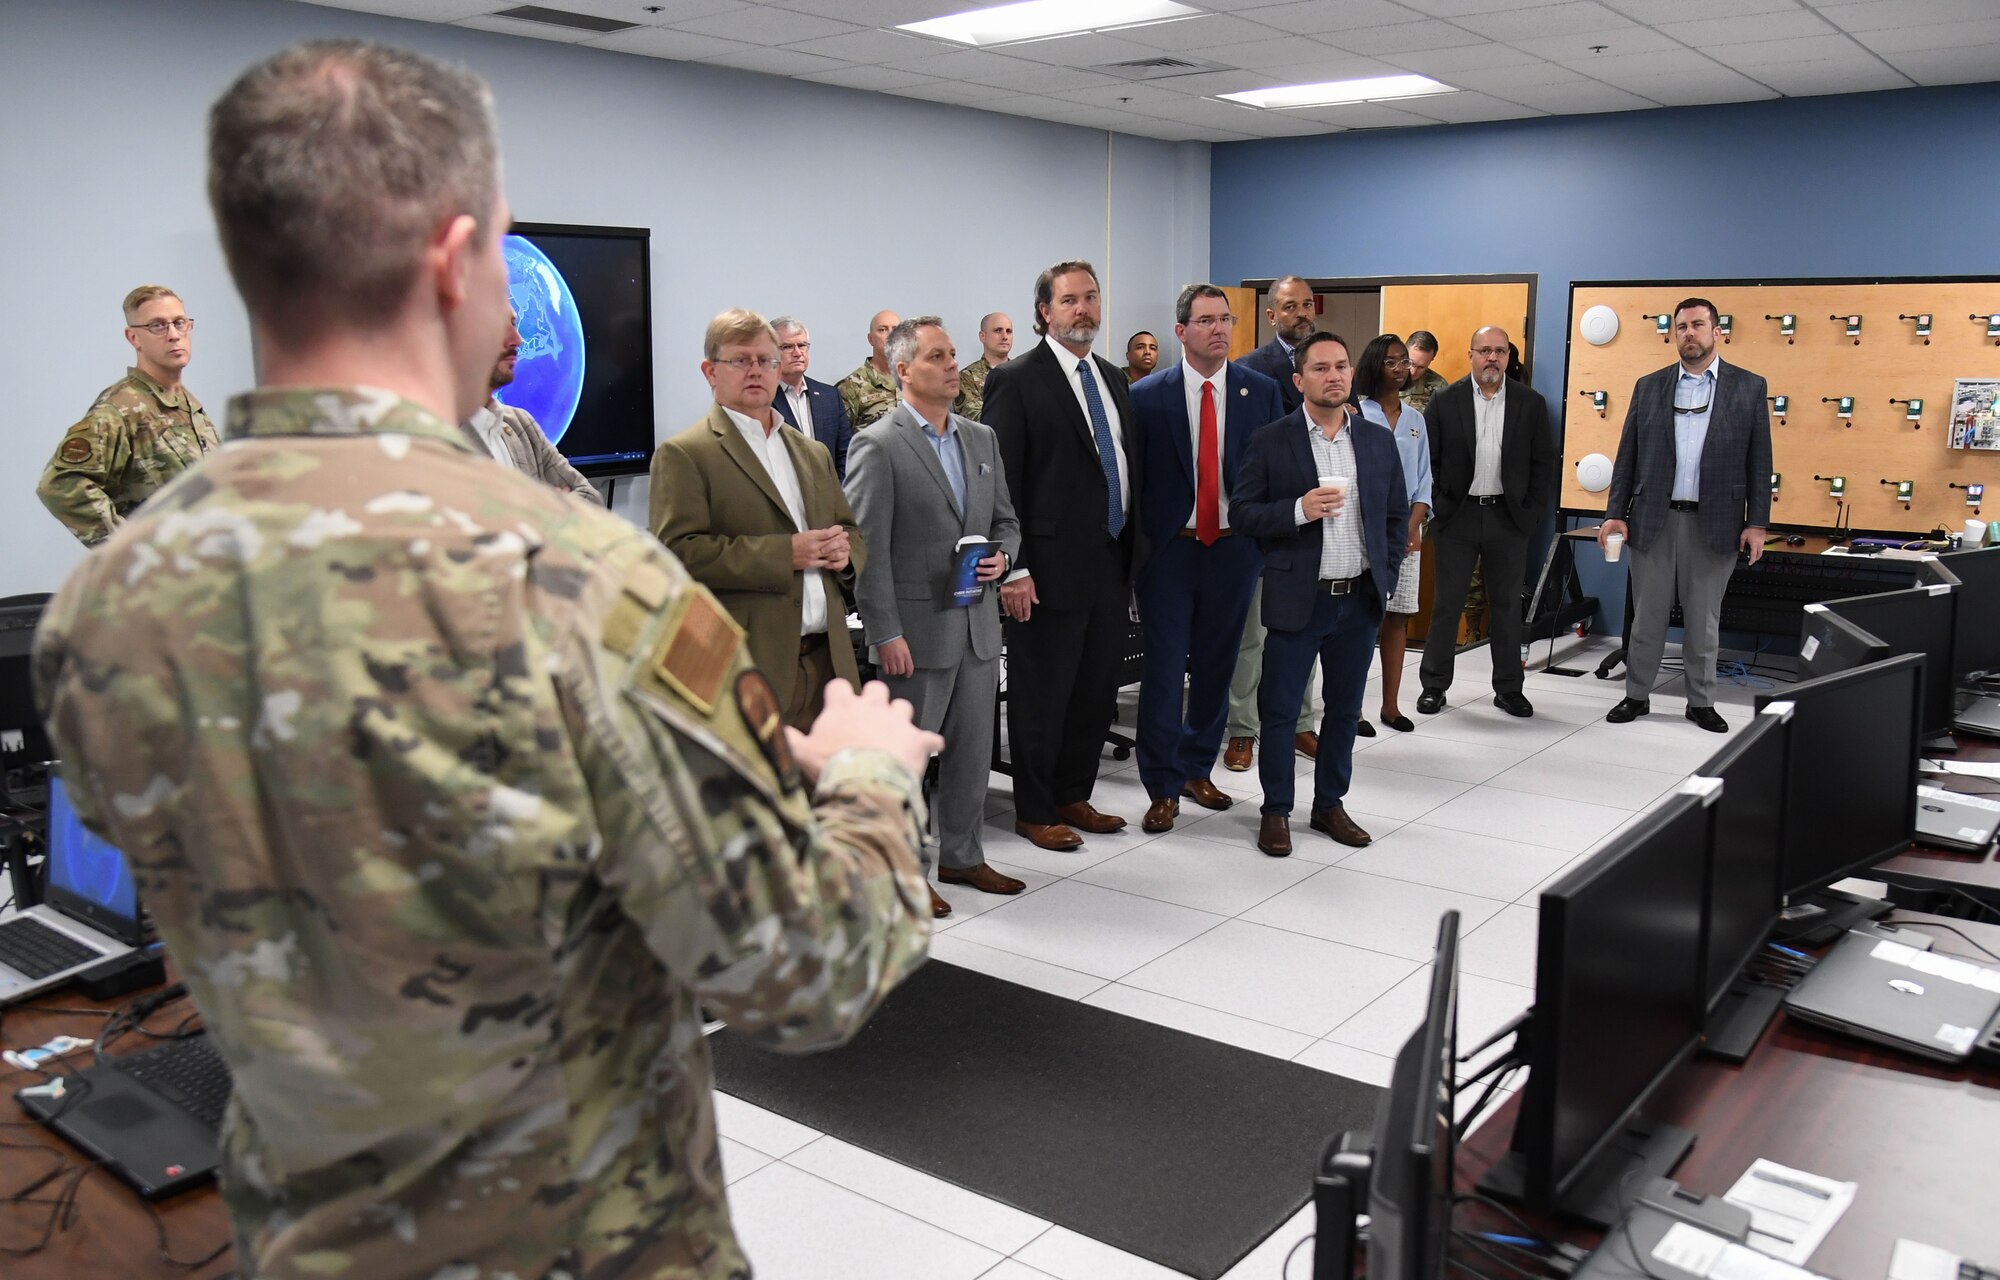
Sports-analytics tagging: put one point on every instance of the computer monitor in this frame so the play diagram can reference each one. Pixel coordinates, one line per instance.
(18, 715)
(1976, 637)
(1919, 620)
(1851, 775)
(1830, 642)
(1618, 1005)
(1744, 897)
(1410, 1189)
(86, 876)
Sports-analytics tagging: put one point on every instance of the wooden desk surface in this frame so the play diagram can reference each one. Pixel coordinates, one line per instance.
(1920, 1138)
(113, 1232)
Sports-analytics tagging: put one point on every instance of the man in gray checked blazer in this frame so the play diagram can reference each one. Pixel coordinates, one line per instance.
(919, 479)
(1692, 484)
(512, 436)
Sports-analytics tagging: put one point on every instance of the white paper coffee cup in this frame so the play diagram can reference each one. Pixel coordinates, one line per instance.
(1336, 483)
(1975, 531)
(1614, 546)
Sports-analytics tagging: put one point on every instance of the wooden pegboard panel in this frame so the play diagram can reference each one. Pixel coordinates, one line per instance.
(1890, 361)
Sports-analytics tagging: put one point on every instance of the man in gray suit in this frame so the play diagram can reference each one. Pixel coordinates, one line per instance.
(920, 479)
(1692, 484)
(512, 435)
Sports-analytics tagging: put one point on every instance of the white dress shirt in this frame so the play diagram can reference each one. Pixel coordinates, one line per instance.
(770, 450)
(1192, 382)
(1692, 391)
(1342, 553)
(485, 421)
(801, 401)
(1069, 363)
(1489, 417)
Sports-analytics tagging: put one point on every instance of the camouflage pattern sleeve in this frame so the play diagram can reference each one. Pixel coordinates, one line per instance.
(791, 916)
(853, 397)
(75, 485)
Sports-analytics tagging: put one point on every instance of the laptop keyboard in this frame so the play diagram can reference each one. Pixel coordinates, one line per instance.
(188, 1072)
(28, 945)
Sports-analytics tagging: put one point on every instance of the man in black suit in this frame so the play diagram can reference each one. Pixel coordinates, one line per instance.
(814, 407)
(1293, 318)
(1493, 472)
(1692, 484)
(1323, 493)
(1073, 461)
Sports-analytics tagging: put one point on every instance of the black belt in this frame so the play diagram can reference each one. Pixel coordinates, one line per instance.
(1220, 533)
(1342, 586)
(1486, 499)
(807, 644)
(1678, 505)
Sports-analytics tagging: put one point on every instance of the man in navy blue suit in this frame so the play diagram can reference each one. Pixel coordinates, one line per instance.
(814, 407)
(1196, 419)
(1325, 498)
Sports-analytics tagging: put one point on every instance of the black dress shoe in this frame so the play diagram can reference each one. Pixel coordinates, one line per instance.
(1628, 710)
(1708, 718)
(1362, 729)
(1401, 724)
(1514, 704)
(1430, 701)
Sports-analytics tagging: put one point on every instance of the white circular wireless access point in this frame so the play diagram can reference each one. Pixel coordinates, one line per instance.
(1599, 325)
(1593, 472)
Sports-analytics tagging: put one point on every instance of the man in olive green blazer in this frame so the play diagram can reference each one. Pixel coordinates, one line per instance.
(754, 510)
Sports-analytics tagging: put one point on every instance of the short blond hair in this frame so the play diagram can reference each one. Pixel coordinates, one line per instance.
(735, 325)
(144, 294)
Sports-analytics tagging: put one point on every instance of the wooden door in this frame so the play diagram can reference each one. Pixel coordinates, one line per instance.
(1453, 312)
(1242, 305)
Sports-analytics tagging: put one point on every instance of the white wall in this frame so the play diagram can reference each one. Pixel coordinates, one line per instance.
(882, 202)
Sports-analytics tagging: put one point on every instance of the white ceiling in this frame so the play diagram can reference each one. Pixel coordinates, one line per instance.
(1510, 59)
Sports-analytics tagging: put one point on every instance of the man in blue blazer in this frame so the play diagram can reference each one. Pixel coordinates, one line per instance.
(1691, 485)
(1196, 419)
(1328, 505)
(814, 407)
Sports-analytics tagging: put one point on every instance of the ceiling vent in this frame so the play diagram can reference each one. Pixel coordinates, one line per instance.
(564, 18)
(1164, 67)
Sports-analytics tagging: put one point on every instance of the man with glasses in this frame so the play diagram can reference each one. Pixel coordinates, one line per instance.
(812, 406)
(757, 516)
(996, 341)
(1195, 421)
(1691, 485)
(1493, 472)
(142, 430)
(870, 391)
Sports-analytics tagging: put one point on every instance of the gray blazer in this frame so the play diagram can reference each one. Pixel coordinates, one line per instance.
(904, 506)
(1735, 459)
(533, 455)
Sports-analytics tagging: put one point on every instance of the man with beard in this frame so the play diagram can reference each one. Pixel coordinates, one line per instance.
(1142, 354)
(512, 435)
(1691, 485)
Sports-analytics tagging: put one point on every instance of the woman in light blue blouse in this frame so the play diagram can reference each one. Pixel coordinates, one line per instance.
(1378, 384)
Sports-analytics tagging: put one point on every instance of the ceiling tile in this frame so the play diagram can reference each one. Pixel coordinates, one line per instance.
(1120, 97)
(761, 25)
(1474, 57)
(1197, 34)
(1206, 111)
(1616, 68)
(1762, 53)
(1686, 10)
(1973, 65)
(874, 13)
(1365, 115)
(1579, 99)
(873, 47)
(1285, 51)
(1086, 50)
(1576, 50)
(421, 10)
(1739, 28)
(774, 62)
(956, 63)
(1881, 15)
(874, 78)
(1402, 36)
(1502, 82)
(532, 30)
(1577, 17)
(670, 11)
(1939, 35)
(1856, 73)
(960, 92)
(1469, 108)
(1289, 124)
(1194, 133)
(1212, 82)
(1716, 84)
(1316, 17)
(1337, 66)
(1038, 77)
(1460, 8)
(664, 42)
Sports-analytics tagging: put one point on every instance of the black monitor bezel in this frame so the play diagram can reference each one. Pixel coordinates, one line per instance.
(1935, 701)
(1767, 724)
(1973, 591)
(1409, 1234)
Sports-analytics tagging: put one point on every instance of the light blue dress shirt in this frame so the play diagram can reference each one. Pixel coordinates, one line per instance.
(1692, 391)
(1412, 445)
(950, 456)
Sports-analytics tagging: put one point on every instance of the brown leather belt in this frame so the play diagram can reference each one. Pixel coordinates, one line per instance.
(1219, 533)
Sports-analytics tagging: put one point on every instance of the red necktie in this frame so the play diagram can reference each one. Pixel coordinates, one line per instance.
(1207, 475)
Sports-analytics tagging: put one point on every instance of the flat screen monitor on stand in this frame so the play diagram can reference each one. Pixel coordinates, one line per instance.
(1920, 620)
(1744, 898)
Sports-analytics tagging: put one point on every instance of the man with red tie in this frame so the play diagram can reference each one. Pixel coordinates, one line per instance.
(1195, 419)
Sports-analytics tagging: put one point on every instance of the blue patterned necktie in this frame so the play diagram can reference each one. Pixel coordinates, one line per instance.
(1107, 457)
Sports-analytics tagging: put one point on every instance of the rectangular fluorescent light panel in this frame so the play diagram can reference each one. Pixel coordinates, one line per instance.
(1040, 19)
(1339, 92)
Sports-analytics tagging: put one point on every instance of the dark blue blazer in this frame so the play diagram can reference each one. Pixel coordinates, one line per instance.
(1159, 404)
(1275, 363)
(829, 419)
(1277, 472)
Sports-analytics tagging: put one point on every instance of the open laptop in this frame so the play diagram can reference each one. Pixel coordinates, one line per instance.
(89, 910)
(1932, 1005)
(1976, 712)
(1954, 820)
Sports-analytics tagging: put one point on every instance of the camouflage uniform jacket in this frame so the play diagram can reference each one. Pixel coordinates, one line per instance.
(137, 436)
(868, 395)
(452, 796)
(971, 389)
(1418, 394)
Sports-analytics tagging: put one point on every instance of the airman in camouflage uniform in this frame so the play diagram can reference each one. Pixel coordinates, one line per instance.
(996, 341)
(452, 795)
(869, 392)
(141, 431)
(1417, 395)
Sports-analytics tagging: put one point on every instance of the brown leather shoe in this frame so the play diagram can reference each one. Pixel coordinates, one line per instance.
(939, 907)
(983, 878)
(1274, 835)
(1237, 758)
(1335, 822)
(1207, 794)
(1160, 815)
(1084, 818)
(1308, 745)
(1054, 836)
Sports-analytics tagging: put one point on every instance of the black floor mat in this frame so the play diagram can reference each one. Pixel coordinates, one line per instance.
(1179, 1149)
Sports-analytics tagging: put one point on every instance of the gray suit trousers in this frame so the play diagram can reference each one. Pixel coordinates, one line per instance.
(1679, 560)
(958, 703)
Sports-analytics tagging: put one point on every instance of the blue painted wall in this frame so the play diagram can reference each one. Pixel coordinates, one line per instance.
(1902, 183)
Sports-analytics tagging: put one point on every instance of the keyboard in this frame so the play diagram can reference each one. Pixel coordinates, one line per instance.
(189, 1073)
(36, 951)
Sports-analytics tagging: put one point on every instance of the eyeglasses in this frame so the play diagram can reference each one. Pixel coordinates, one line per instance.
(1489, 351)
(1403, 363)
(795, 346)
(159, 328)
(744, 364)
(1211, 322)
